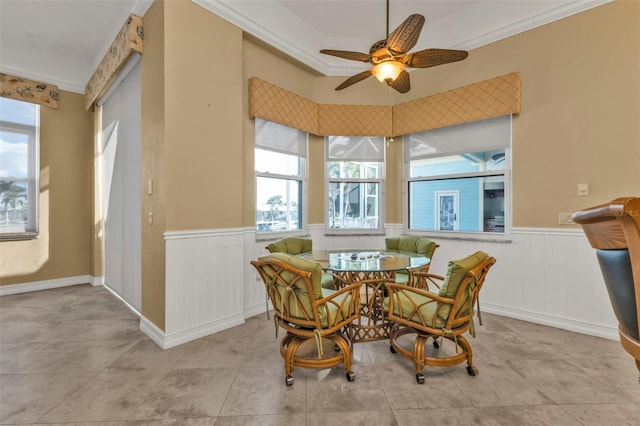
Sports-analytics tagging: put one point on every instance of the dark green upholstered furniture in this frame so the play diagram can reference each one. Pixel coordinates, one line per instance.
(307, 311)
(613, 229)
(446, 314)
(297, 245)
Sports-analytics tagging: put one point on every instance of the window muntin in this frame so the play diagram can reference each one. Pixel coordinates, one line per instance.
(19, 169)
(355, 178)
(458, 177)
(280, 167)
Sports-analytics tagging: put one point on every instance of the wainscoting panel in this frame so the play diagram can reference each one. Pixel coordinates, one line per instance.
(546, 276)
(204, 283)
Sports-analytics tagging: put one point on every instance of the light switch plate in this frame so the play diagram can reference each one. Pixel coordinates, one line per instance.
(583, 189)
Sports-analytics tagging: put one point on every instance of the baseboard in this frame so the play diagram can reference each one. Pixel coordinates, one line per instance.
(166, 341)
(588, 328)
(45, 285)
(257, 309)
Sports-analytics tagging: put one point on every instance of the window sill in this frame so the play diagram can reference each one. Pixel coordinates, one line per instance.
(19, 236)
(465, 236)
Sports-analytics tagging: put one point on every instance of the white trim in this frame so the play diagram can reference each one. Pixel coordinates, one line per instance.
(546, 17)
(166, 341)
(97, 281)
(45, 285)
(203, 233)
(548, 231)
(589, 328)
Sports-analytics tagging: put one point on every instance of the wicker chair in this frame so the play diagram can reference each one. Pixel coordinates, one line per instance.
(308, 312)
(415, 277)
(446, 314)
(298, 245)
(613, 229)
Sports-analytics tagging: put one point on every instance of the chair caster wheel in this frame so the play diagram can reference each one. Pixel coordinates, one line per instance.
(288, 380)
(351, 376)
(420, 378)
(392, 349)
(473, 371)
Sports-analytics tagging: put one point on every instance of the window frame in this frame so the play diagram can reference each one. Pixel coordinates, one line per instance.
(32, 227)
(463, 235)
(302, 178)
(380, 180)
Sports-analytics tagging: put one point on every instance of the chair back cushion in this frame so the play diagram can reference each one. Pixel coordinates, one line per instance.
(291, 245)
(411, 243)
(456, 271)
(618, 277)
(300, 291)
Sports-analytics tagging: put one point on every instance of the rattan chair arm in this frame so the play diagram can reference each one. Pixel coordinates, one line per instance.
(394, 287)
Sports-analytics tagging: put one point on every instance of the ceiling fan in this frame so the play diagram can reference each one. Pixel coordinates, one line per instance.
(390, 56)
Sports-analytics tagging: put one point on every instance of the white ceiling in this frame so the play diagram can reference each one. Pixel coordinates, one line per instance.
(62, 41)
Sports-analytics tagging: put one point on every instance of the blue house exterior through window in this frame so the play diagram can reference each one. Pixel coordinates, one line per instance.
(452, 186)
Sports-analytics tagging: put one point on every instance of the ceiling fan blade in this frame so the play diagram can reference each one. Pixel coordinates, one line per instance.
(345, 54)
(432, 57)
(402, 84)
(403, 38)
(354, 79)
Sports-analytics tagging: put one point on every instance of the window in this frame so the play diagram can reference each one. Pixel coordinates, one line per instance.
(355, 178)
(19, 169)
(280, 164)
(458, 177)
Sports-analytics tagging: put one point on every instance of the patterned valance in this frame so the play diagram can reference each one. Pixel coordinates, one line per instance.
(489, 98)
(22, 89)
(129, 40)
(355, 120)
(275, 104)
(485, 99)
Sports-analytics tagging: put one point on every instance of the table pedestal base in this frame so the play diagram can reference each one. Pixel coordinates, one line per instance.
(372, 324)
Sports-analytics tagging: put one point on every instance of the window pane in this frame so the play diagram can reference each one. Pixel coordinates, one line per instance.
(14, 154)
(474, 204)
(353, 170)
(277, 163)
(278, 204)
(459, 163)
(13, 111)
(353, 205)
(14, 205)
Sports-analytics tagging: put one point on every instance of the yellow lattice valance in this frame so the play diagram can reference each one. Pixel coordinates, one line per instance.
(128, 40)
(281, 106)
(478, 101)
(355, 120)
(22, 89)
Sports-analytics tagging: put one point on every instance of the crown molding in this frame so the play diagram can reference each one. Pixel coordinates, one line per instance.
(230, 11)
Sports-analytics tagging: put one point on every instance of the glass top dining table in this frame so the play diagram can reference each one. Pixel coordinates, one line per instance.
(365, 260)
(372, 269)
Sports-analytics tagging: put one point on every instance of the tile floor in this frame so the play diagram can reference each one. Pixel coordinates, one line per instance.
(75, 356)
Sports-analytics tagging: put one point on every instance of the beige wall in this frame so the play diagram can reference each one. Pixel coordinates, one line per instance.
(63, 249)
(153, 165)
(203, 119)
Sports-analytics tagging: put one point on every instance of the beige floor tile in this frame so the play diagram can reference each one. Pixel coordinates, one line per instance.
(605, 414)
(30, 396)
(441, 416)
(538, 415)
(186, 393)
(109, 396)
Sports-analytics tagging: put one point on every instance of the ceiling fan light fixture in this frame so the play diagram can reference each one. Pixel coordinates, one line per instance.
(388, 70)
